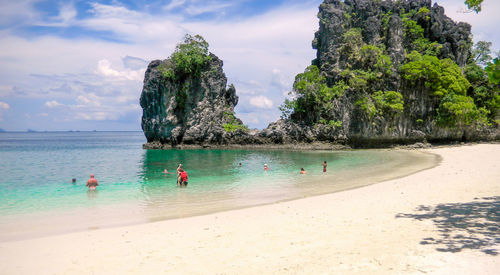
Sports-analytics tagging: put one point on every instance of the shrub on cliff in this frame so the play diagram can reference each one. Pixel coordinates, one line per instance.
(189, 57)
(442, 76)
(312, 97)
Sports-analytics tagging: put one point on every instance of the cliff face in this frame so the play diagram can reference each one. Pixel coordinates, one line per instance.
(193, 110)
(361, 47)
(386, 72)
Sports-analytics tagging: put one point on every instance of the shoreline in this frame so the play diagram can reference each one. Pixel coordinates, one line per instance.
(313, 146)
(388, 227)
(61, 221)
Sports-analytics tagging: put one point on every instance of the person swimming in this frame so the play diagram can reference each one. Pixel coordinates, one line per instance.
(302, 171)
(92, 182)
(166, 171)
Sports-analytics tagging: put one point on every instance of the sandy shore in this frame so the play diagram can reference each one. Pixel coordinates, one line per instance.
(444, 220)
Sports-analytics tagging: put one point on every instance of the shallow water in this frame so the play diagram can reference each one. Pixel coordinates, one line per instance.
(37, 197)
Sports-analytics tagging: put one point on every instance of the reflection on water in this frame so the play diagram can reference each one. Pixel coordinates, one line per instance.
(92, 194)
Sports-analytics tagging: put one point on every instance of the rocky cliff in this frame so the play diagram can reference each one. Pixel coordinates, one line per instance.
(385, 73)
(194, 107)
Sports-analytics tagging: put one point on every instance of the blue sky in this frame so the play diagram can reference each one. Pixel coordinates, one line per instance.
(79, 65)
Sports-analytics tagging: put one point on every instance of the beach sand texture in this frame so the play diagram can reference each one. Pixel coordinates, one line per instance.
(444, 220)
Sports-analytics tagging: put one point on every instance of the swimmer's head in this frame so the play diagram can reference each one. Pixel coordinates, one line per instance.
(265, 165)
(91, 175)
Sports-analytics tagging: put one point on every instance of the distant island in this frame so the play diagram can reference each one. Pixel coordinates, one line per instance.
(386, 73)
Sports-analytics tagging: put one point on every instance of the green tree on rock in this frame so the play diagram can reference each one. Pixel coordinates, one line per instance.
(189, 57)
(474, 5)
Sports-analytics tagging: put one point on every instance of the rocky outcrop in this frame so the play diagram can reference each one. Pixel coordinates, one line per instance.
(198, 110)
(381, 24)
(192, 111)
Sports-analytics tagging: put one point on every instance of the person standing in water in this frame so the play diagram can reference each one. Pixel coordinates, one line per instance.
(184, 178)
(179, 174)
(92, 182)
(302, 171)
(324, 166)
(266, 168)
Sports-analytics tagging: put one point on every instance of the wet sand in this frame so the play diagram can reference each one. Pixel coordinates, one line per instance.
(442, 220)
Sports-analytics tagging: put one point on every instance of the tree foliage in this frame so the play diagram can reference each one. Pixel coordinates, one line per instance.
(481, 52)
(233, 123)
(312, 97)
(493, 71)
(474, 5)
(442, 76)
(189, 57)
(459, 110)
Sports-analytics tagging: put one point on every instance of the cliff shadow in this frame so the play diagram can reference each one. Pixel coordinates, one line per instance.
(472, 225)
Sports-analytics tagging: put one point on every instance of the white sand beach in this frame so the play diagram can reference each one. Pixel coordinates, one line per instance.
(444, 220)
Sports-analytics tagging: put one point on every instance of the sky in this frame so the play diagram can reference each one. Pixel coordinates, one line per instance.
(79, 65)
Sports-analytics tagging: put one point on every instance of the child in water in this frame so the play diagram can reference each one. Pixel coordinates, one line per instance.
(302, 171)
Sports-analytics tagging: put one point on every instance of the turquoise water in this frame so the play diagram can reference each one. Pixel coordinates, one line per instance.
(37, 168)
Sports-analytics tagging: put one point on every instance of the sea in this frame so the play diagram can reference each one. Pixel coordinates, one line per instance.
(38, 197)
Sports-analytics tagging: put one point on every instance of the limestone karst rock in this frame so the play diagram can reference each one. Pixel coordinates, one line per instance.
(354, 39)
(362, 49)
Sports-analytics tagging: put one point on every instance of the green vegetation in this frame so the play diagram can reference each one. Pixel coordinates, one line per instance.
(233, 124)
(188, 59)
(313, 98)
(389, 102)
(493, 71)
(481, 52)
(484, 87)
(442, 76)
(331, 123)
(229, 127)
(462, 97)
(459, 110)
(367, 106)
(474, 5)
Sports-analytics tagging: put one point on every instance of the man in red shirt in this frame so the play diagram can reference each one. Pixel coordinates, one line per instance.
(184, 177)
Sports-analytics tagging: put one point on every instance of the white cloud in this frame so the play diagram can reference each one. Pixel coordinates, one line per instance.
(53, 104)
(261, 54)
(484, 24)
(4, 105)
(114, 74)
(66, 17)
(104, 68)
(261, 102)
(174, 4)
